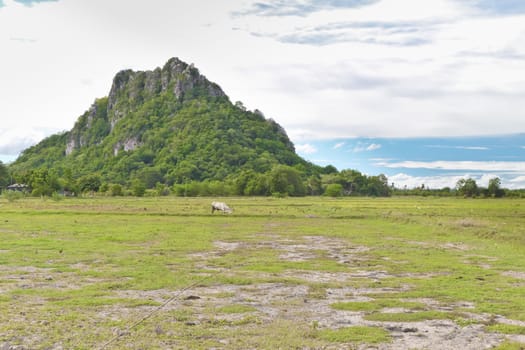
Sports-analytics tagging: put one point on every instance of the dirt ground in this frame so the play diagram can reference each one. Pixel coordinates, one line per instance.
(293, 302)
(274, 301)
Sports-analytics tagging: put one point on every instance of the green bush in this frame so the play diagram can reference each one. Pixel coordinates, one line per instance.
(334, 190)
(116, 190)
(12, 196)
(138, 188)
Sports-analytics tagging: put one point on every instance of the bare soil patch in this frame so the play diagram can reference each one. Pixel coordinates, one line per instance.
(282, 301)
(515, 274)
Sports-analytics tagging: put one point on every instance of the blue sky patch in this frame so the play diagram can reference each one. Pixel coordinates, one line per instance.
(431, 160)
(32, 2)
(278, 8)
(28, 2)
(501, 7)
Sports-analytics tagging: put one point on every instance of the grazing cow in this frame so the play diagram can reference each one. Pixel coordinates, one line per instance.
(220, 206)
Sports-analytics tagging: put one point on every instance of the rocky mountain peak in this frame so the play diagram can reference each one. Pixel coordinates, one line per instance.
(180, 78)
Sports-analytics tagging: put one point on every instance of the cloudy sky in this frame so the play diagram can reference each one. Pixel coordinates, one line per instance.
(423, 91)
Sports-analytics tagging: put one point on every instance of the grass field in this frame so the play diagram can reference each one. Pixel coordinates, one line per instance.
(293, 273)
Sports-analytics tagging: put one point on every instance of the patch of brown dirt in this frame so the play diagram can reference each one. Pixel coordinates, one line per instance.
(30, 277)
(274, 301)
(514, 274)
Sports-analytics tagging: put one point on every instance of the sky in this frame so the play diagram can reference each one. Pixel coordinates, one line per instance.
(426, 92)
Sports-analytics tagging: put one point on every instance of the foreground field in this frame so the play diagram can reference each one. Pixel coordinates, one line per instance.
(311, 273)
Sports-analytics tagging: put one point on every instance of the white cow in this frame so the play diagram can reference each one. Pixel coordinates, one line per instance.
(220, 206)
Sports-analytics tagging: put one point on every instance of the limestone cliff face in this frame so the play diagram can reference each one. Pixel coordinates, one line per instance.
(131, 89)
(176, 76)
(90, 128)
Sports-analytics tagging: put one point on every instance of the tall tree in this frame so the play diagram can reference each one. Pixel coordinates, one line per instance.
(467, 187)
(494, 188)
(4, 175)
(44, 182)
(286, 180)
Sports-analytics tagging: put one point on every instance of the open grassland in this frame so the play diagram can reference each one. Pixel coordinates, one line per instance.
(308, 273)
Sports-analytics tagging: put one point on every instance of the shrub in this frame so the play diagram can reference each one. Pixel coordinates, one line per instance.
(116, 190)
(12, 196)
(334, 190)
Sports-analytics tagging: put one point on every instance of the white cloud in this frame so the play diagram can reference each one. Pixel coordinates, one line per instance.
(402, 180)
(16, 139)
(516, 182)
(373, 147)
(435, 90)
(24, 40)
(474, 148)
(459, 165)
(365, 147)
(380, 159)
(470, 148)
(306, 149)
(339, 145)
(285, 8)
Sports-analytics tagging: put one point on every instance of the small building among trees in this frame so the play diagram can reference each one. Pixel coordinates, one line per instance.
(18, 187)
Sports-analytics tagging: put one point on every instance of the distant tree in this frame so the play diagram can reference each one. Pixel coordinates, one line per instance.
(314, 185)
(4, 175)
(150, 176)
(258, 185)
(240, 105)
(285, 180)
(68, 182)
(138, 188)
(44, 182)
(494, 189)
(116, 190)
(334, 190)
(89, 183)
(162, 189)
(184, 171)
(329, 169)
(378, 186)
(241, 181)
(467, 187)
(259, 113)
(104, 187)
(353, 182)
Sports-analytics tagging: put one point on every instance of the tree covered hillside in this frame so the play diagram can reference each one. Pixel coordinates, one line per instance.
(172, 130)
(167, 126)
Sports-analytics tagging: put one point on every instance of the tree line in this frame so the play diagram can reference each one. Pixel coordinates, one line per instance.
(466, 187)
(280, 181)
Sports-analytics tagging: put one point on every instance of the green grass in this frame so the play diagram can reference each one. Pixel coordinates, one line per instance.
(356, 334)
(410, 316)
(507, 345)
(73, 271)
(506, 329)
(376, 305)
(236, 309)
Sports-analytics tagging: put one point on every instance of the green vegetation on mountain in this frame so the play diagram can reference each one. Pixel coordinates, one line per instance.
(172, 128)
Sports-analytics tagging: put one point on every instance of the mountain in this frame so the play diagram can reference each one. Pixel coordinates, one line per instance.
(169, 125)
